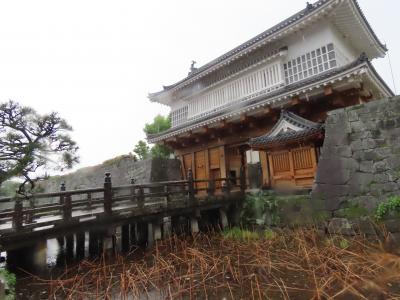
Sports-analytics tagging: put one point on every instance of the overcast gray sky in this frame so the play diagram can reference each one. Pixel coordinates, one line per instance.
(95, 61)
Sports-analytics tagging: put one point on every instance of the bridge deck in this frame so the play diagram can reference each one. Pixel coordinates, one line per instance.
(53, 214)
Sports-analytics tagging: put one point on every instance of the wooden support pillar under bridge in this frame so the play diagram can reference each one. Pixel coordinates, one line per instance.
(81, 217)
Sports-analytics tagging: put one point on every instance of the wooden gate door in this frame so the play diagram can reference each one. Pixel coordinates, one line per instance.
(293, 168)
(187, 164)
(215, 166)
(200, 169)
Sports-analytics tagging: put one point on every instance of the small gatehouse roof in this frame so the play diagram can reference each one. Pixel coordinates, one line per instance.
(289, 128)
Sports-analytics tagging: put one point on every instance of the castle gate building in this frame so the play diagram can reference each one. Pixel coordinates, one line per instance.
(267, 99)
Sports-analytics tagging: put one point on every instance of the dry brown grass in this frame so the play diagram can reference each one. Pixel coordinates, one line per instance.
(296, 264)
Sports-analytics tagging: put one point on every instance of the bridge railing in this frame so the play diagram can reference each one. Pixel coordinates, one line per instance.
(68, 205)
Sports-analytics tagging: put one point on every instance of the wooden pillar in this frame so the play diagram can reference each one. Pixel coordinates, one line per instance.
(166, 227)
(67, 211)
(62, 189)
(18, 215)
(141, 198)
(150, 235)
(223, 219)
(194, 225)
(142, 233)
(133, 234)
(107, 194)
(223, 165)
(133, 191)
(125, 237)
(243, 180)
(191, 191)
(80, 245)
(264, 167)
(157, 230)
(167, 194)
(93, 243)
(69, 246)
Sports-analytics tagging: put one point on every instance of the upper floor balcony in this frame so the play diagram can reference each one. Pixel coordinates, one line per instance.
(256, 80)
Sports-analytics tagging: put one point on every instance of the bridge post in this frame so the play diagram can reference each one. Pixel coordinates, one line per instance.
(18, 214)
(141, 198)
(107, 194)
(62, 189)
(133, 192)
(67, 211)
(167, 195)
(191, 191)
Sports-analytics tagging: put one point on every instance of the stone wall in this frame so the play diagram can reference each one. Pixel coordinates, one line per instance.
(360, 161)
(121, 169)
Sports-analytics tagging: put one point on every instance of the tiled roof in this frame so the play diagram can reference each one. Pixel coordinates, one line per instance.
(269, 32)
(286, 89)
(308, 128)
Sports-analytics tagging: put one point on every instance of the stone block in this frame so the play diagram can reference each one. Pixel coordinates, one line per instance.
(333, 170)
(368, 144)
(392, 225)
(364, 226)
(356, 145)
(340, 226)
(380, 166)
(366, 166)
(381, 178)
(357, 126)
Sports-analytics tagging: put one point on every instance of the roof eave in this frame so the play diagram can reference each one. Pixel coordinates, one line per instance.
(361, 65)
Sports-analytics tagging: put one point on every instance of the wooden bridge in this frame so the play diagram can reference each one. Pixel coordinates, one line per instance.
(67, 213)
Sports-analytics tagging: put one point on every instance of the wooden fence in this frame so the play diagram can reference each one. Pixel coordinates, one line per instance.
(71, 206)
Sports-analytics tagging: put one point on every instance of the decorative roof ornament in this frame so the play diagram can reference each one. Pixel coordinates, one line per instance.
(193, 69)
(309, 6)
(363, 57)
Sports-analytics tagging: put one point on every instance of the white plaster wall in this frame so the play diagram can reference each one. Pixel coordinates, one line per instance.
(320, 34)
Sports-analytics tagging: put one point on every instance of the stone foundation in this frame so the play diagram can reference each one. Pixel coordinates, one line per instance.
(360, 162)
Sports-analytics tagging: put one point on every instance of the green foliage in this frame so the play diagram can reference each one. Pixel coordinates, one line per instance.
(160, 124)
(142, 150)
(160, 151)
(269, 234)
(260, 208)
(11, 281)
(391, 206)
(31, 143)
(236, 233)
(353, 211)
(240, 234)
(344, 244)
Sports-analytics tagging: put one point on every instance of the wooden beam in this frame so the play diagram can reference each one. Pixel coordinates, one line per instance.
(267, 110)
(338, 101)
(328, 90)
(222, 124)
(295, 100)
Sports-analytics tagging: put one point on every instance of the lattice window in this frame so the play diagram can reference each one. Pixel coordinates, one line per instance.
(310, 64)
(302, 159)
(179, 116)
(281, 162)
